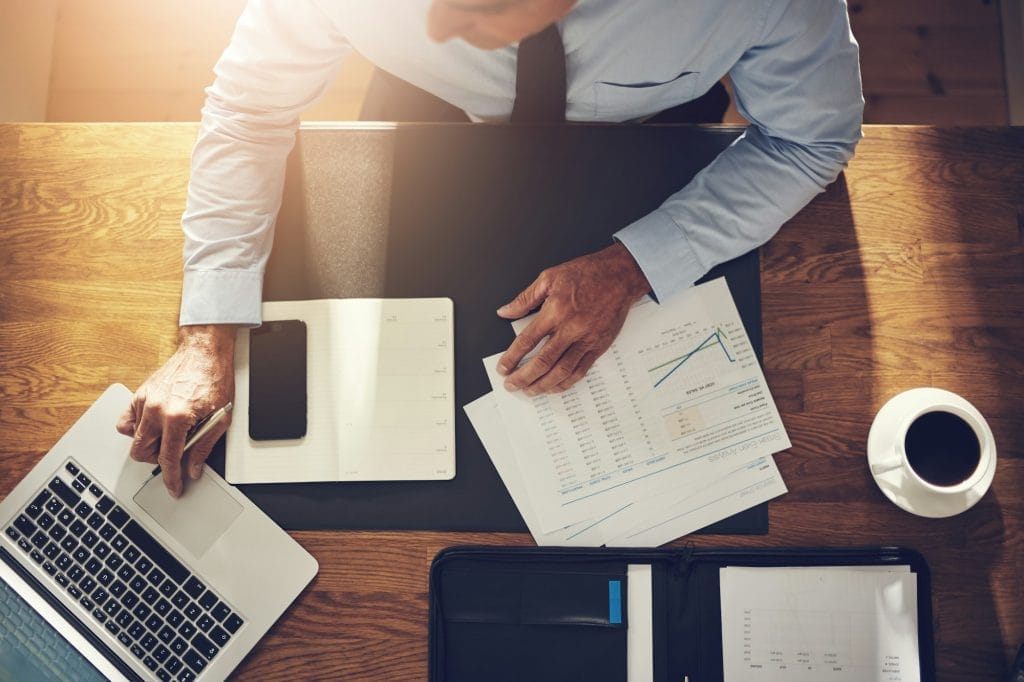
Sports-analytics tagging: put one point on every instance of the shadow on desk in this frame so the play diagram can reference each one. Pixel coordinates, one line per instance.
(968, 263)
(833, 355)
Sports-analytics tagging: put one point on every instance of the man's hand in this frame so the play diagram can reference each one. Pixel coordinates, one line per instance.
(583, 304)
(195, 381)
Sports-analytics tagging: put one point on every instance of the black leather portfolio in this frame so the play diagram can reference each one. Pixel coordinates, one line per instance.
(520, 614)
(473, 213)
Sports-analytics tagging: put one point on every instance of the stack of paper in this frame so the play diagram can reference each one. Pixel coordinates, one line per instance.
(672, 429)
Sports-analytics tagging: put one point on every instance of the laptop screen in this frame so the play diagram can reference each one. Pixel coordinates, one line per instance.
(31, 649)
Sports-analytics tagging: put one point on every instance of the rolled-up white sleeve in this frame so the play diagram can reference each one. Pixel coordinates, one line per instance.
(799, 86)
(282, 57)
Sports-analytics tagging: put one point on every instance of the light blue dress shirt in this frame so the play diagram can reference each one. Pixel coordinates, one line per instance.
(793, 64)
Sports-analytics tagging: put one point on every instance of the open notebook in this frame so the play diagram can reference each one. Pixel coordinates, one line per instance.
(380, 395)
(772, 614)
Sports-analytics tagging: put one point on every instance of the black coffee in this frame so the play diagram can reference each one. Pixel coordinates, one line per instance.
(942, 448)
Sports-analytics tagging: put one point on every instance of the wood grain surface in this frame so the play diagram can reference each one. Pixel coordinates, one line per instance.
(908, 271)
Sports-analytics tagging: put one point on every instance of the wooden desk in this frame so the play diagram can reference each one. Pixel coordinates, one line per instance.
(909, 271)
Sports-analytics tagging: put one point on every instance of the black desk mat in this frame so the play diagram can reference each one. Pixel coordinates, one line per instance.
(477, 212)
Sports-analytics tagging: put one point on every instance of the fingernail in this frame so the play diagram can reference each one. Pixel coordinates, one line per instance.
(174, 493)
(503, 369)
(195, 473)
(503, 309)
(509, 386)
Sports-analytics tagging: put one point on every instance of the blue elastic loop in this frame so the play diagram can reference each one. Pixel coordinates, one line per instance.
(615, 601)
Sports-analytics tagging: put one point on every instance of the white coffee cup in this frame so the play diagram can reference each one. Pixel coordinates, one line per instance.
(931, 452)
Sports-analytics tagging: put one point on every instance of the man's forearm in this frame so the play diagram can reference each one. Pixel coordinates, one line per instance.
(216, 338)
(274, 68)
(799, 84)
(734, 205)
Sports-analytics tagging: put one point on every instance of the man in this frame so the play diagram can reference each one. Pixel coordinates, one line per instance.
(795, 74)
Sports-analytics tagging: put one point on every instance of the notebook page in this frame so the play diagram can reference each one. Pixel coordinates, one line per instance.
(393, 388)
(380, 394)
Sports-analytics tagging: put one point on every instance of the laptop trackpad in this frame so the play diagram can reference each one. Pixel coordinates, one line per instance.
(197, 518)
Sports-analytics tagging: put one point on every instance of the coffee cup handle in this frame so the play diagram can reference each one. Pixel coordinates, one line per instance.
(887, 462)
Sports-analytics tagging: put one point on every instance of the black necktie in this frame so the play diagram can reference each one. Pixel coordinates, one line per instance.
(540, 79)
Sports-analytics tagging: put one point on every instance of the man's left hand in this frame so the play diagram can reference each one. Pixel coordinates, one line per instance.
(583, 304)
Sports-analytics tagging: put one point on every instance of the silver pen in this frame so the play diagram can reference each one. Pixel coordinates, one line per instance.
(201, 428)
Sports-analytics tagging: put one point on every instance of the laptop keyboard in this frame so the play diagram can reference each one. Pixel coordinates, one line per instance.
(123, 577)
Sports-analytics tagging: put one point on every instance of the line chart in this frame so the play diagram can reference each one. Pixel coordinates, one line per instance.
(715, 339)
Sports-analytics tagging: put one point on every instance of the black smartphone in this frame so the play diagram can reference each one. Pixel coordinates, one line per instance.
(277, 380)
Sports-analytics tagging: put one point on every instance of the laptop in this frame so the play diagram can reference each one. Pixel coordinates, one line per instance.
(104, 575)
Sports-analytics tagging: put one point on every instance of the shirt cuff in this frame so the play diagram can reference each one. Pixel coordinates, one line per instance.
(221, 297)
(663, 252)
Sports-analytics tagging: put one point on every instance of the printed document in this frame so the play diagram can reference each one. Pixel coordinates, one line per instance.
(678, 400)
(641, 523)
(819, 624)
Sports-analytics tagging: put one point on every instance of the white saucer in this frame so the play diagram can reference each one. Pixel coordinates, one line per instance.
(895, 484)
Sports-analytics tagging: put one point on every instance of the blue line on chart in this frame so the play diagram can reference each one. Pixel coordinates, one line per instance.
(717, 336)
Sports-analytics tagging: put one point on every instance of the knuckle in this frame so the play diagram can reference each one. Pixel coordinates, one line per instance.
(577, 328)
(514, 384)
(168, 458)
(546, 358)
(557, 307)
(581, 370)
(142, 456)
(177, 421)
(560, 373)
(525, 341)
(145, 413)
(178, 411)
(197, 458)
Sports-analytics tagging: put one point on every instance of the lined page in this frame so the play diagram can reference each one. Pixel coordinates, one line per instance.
(380, 394)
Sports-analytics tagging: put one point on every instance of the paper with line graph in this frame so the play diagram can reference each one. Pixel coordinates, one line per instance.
(644, 523)
(820, 624)
(678, 398)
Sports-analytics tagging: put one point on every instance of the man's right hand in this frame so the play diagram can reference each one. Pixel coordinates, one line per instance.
(197, 380)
